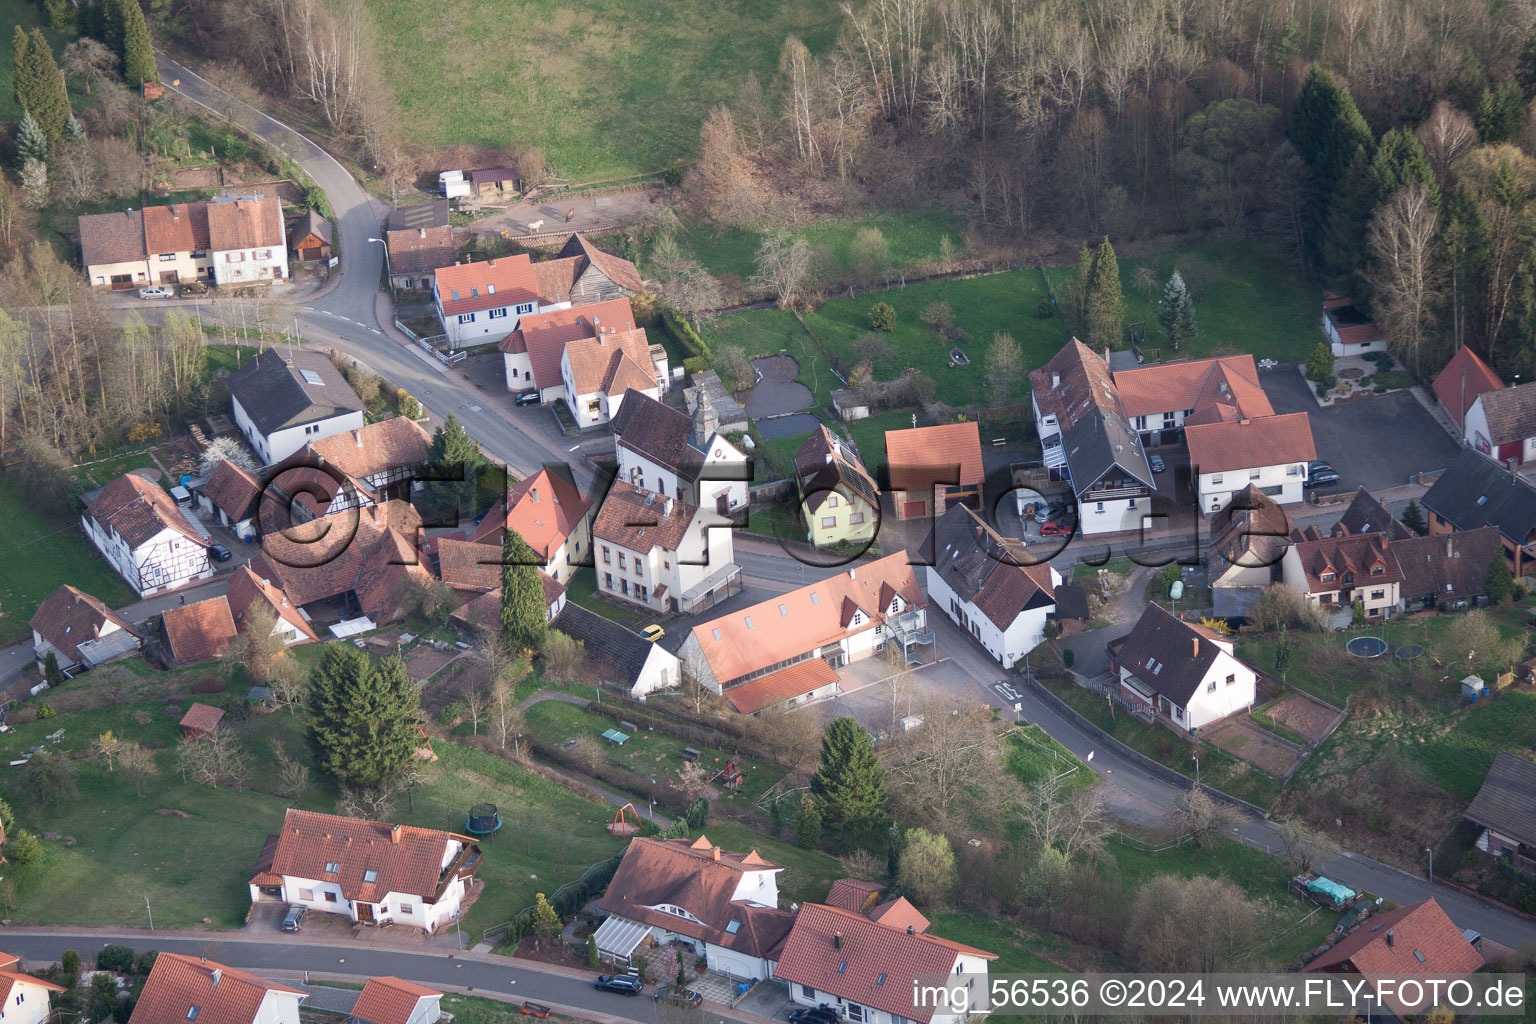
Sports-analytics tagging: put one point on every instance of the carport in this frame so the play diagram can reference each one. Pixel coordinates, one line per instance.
(618, 937)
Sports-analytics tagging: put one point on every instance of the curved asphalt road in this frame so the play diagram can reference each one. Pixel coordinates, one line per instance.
(354, 315)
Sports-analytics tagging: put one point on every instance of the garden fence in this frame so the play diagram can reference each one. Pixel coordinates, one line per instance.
(566, 900)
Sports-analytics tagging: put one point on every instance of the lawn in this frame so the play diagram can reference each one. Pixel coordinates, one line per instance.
(647, 752)
(1033, 757)
(912, 237)
(608, 88)
(582, 589)
(1458, 759)
(41, 553)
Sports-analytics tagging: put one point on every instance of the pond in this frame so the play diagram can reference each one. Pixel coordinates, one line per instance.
(787, 426)
(776, 392)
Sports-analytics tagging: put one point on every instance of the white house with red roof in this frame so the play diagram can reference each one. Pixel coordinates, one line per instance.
(662, 553)
(371, 872)
(23, 998)
(531, 353)
(552, 515)
(487, 298)
(864, 965)
(79, 631)
(142, 532)
(190, 988)
(599, 371)
(724, 906)
(391, 1000)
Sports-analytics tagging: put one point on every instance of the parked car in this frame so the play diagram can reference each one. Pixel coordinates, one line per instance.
(156, 291)
(294, 920)
(1157, 463)
(527, 397)
(682, 996)
(1048, 512)
(822, 1014)
(653, 632)
(1320, 474)
(219, 553)
(624, 984)
(1055, 528)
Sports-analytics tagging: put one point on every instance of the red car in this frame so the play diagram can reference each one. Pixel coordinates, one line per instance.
(1055, 529)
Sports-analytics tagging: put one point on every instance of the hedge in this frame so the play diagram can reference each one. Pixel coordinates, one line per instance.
(686, 336)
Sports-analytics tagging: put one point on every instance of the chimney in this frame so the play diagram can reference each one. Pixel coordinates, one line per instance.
(394, 835)
(218, 973)
(1195, 647)
(175, 212)
(837, 940)
(911, 930)
(1391, 937)
(421, 232)
(714, 853)
(357, 436)
(1055, 380)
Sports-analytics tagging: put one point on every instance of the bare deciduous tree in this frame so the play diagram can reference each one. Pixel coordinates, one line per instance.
(137, 764)
(949, 769)
(89, 59)
(1404, 272)
(783, 267)
(1200, 817)
(1076, 824)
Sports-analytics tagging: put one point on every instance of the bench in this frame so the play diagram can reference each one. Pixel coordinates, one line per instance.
(54, 737)
(691, 754)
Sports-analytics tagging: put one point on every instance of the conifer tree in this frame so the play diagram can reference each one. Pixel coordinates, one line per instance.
(1106, 301)
(38, 84)
(1401, 161)
(850, 786)
(72, 130)
(1341, 246)
(1413, 518)
(1327, 130)
(523, 623)
(364, 716)
(31, 143)
(1500, 113)
(60, 14)
(1525, 66)
(454, 467)
(1500, 583)
(1176, 310)
(138, 52)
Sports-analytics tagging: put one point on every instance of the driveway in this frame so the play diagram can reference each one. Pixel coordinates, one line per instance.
(1377, 442)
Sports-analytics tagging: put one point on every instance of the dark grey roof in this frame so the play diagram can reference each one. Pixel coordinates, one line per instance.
(273, 392)
(1507, 801)
(491, 175)
(993, 572)
(1367, 515)
(1447, 566)
(310, 224)
(707, 383)
(419, 215)
(1476, 491)
(1511, 413)
(607, 643)
(1071, 602)
(659, 432)
(823, 463)
(1168, 654)
(1098, 443)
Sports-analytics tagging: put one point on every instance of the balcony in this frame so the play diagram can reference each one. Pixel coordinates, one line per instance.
(1115, 494)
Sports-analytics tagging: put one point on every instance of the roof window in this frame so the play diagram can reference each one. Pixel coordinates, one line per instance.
(880, 981)
(192, 1012)
(310, 377)
(474, 292)
(455, 295)
(490, 289)
(784, 611)
(842, 968)
(815, 598)
(716, 633)
(749, 623)
(1482, 499)
(733, 928)
(370, 875)
(1418, 955)
(332, 867)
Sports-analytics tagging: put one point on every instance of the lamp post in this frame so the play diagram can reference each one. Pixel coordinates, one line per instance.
(388, 272)
(150, 912)
(1196, 758)
(1430, 850)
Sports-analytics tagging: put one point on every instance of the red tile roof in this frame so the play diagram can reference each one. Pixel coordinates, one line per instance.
(407, 859)
(993, 572)
(1197, 384)
(555, 278)
(247, 589)
(848, 955)
(390, 1000)
(327, 557)
(598, 363)
(824, 466)
(10, 979)
(69, 617)
(1464, 378)
(811, 617)
(484, 611)
(1250, 444)
(853, 894)
(464, 565)
(487, 284)
(234, 491)
(179, 227)
(111, 238)
(202, 718)
(915, 456)
(199, 632)
(223, 995)
(420, 250)
(617, 269)
(1075, 381)
(246, 224)
(1356, 554)
(1413, 941)
(795, 681)
(898, 913)
(544, 510)
(139, 509)
(544, 335)
(376, 448)
(639, 520)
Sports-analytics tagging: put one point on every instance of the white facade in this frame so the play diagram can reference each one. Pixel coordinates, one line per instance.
(168, 560)
(248, 266)
(28, 1003)
(1113, 515)
(704, 553)
(760, 888)
(487, 324)
(519, 369)
(1023, 634)
(278, 445)
(1227, 687)
(1340, 347)
(1284, 483)
(245, 529)
(974, 968)
(1475, 432)
(41, 647)
(725, 472)
(594, 408)
(399, 907)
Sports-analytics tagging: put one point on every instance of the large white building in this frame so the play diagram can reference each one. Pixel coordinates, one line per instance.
(1270, 453)
(284, 400)
(235, 240)
(487, 299)
(598, 372)
(23, 998)
(1182, 673)
(367, 871)
(990, 586)
(139, 529)
(661, 553)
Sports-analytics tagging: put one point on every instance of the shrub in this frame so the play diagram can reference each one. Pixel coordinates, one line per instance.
(882, 317)
(406, 402)
(208, 684)
(69, 963)
(23, 848)
(45, 710)
(698, 812)
(314, 198)
(592, 952)
(1320, 363)
(115, 958)
(1045, 308)
(695, 364)
(937, 315)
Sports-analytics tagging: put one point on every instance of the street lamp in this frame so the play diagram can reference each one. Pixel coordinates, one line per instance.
(151, 913)
(1196, 758)
(1431, 852)
(388, 272)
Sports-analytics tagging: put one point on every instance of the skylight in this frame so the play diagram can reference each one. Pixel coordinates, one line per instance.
(749, 623)
(733, 928)
(1482, 499)
(880, 981)
(370, 875)
(842, 968)
(784, 611)
(716, 632)
(310, 377)
(1418, 955)
(815, 599)
(332, 866)
(192, 1012)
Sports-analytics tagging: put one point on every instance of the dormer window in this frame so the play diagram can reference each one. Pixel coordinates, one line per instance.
(1326, 577)
(1377, 570)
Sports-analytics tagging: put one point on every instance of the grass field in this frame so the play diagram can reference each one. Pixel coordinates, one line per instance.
(606, 89)
(39, 554)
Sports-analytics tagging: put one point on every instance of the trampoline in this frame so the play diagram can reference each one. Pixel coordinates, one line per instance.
(1367, 647)
(1408, 652)
(483, 820)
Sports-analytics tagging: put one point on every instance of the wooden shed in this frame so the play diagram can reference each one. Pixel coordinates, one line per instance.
(310, 237)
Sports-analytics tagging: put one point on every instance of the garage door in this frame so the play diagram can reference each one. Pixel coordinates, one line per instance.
(914, 509)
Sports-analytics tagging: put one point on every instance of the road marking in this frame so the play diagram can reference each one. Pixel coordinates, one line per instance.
(375, 330)
(309, 309)
(338, 316)
(474, 408)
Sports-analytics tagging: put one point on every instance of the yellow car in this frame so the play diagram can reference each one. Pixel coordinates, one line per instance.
(653, 633)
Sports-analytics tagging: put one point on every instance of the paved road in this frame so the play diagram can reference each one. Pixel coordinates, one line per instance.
(353, 315)
(482, 972)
